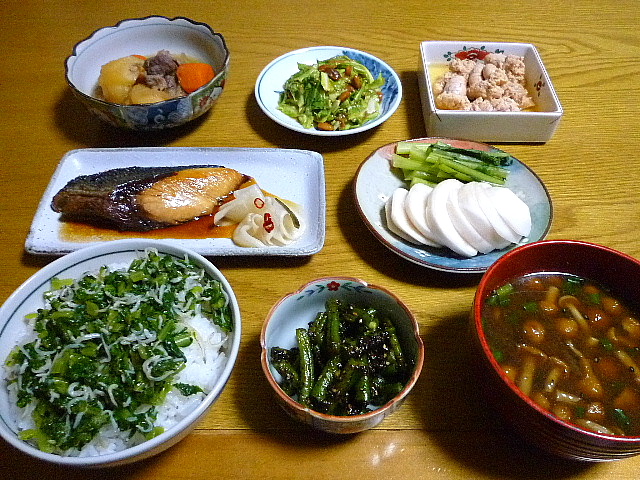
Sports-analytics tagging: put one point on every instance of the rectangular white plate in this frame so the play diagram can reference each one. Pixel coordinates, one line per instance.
(295, 175)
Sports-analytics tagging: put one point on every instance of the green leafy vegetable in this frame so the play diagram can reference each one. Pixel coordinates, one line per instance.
(347, 360)
(108, 347)
(335, 94)
(187, 389)
(621, 418)
(433, 163)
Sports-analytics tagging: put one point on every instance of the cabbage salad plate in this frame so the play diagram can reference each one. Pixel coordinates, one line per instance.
(270, 84)
(296, 176)
(376, 180)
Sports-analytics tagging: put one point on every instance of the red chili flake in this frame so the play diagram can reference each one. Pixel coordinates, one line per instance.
(333, 286)
(258, 202)
(472, 54)
(268, 224)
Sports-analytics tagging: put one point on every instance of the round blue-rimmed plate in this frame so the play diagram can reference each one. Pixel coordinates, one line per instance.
(271, 81)
(376, 180)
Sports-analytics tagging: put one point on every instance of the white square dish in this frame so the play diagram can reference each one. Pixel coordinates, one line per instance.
(536, 125)
(294, 175)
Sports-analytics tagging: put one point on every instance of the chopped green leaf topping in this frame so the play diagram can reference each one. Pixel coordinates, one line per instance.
(108, 347)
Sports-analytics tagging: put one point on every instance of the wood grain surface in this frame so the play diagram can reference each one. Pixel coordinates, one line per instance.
(591, 168)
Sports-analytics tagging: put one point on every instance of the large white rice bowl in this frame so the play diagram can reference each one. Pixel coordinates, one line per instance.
(210, 360)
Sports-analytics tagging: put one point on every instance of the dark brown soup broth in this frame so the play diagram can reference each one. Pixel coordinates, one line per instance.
(570, 346)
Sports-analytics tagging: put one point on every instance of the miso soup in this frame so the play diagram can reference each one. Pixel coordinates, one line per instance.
(570, 346)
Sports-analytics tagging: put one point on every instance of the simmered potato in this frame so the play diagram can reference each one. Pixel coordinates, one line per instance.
(118, 77)
(142, 94)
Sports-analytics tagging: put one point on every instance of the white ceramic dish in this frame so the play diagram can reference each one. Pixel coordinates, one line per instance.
(525, 126)
(376, 180)
(29, 297)
(271, 80)
(295, 175)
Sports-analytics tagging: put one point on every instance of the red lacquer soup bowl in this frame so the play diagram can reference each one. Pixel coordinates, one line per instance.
(619, 274)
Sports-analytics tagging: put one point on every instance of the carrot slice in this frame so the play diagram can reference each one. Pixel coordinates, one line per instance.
(141, 57)
(192, 76)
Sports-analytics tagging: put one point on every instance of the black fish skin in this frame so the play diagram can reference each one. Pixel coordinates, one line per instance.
(109, 197)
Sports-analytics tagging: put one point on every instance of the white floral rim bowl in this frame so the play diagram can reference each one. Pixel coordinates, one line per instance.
(528, 126)
(29, 297)
(297, 309)
(146, 36)
(270, 84)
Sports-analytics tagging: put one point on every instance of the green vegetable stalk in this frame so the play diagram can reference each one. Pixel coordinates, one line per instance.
(347, 362)
(433, 163)
(335, 94)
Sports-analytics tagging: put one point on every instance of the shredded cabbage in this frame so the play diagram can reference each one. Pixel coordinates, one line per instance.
(335, 94)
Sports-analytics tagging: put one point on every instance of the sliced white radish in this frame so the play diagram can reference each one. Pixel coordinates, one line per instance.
(416, 207)
(500, 226)
(392, 226)
(399, 217)
(471, 209)
(439, 221)
(512, 209)
(463, 225)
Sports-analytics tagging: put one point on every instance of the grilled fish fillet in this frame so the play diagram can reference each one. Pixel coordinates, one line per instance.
(145, 198)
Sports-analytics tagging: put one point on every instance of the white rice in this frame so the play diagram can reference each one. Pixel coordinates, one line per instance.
(205, 361)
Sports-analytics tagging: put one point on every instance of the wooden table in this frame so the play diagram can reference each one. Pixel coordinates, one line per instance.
(445, 430)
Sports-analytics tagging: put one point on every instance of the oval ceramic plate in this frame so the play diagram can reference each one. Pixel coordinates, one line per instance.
(271, 81)
(376, 180)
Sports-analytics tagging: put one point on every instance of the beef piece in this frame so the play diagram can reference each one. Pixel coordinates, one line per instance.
(161, 64)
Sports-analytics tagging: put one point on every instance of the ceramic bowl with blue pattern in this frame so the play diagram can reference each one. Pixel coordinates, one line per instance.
(146, 36)
(16, 328)
(270, 84)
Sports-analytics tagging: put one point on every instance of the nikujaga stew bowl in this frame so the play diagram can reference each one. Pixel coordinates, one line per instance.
(147, 36)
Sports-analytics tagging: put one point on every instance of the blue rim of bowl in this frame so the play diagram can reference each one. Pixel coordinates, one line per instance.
(456, 269)
(74, 53)
(295, 126)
